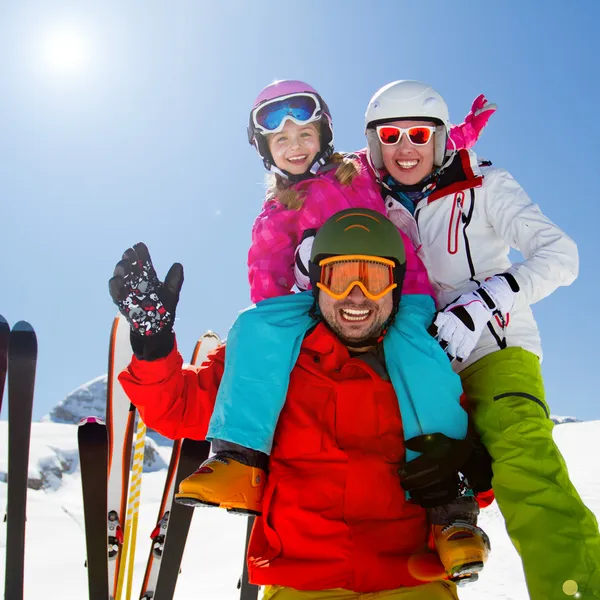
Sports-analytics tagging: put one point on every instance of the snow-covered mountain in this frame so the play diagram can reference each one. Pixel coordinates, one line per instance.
(563, 420)
(87, 400)
(214, 554)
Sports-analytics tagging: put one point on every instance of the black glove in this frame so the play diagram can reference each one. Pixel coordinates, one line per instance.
(478, 466)
(445, 470)
(148, 304)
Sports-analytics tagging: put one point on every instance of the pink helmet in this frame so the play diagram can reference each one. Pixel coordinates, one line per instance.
(281, 90)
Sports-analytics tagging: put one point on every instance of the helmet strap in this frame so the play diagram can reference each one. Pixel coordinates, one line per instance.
(389, 322)
(450, 157)
(409, 195)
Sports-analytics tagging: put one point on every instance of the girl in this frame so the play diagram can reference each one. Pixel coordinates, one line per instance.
(464, 216)
(291, 128)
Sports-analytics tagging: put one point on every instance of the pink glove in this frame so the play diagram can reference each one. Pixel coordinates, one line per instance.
(466, 134)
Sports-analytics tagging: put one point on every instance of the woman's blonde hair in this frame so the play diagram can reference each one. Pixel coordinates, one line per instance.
(292, 195)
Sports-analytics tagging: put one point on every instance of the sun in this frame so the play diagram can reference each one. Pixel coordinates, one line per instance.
(65, 49)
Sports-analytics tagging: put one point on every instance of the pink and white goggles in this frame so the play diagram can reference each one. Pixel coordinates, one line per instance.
(302, 108)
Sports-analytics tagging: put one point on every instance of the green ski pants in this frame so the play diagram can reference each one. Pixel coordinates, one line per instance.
(553, 531)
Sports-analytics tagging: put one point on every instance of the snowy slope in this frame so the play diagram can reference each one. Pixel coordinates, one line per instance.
(213, 559)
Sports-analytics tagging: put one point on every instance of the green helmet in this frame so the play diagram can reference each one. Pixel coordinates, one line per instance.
(358, 231)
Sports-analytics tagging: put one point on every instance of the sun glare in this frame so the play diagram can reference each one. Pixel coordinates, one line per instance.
(65, 50)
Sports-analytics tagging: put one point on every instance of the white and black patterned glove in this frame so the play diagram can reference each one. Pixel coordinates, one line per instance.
(301, 259)
(148, 304)
(459, 326)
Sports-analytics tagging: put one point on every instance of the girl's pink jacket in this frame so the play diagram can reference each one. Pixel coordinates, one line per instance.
(278, 230)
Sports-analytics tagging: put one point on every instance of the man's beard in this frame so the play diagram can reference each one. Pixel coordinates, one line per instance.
(372, 333)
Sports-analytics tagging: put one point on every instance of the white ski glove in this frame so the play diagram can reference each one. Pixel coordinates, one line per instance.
(301, 258)
(459, 326)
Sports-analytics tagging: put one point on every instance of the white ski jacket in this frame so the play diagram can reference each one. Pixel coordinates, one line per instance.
(463, 232)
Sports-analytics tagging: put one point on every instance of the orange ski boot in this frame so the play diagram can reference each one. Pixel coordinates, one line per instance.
(463, 549)
(225, 483)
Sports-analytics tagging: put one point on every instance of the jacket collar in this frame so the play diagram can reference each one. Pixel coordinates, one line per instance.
(322, 341)
(461, 174)
(329, 352)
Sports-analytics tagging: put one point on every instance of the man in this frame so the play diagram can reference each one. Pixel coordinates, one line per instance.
(335, 520)
(464, 217)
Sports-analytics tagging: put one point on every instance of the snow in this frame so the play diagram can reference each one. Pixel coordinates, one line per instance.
(53, 451)
(212, 564)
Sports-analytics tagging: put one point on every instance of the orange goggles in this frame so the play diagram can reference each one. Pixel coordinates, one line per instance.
(339, 275)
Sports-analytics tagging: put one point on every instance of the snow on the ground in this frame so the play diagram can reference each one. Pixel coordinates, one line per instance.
(53, 450)
(212, 562)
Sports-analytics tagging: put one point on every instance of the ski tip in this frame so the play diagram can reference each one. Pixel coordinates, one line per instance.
(210, 336)
(23, 327)
(87, 420)
(119, 323)
(3, 323)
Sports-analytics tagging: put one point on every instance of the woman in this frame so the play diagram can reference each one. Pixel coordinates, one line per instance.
(463, 216)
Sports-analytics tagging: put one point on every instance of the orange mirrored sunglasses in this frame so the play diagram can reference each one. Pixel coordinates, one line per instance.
(419, 135)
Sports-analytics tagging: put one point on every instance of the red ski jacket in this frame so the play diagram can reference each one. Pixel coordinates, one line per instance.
(334, 514)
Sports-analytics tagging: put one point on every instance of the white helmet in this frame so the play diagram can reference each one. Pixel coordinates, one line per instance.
(406, 99)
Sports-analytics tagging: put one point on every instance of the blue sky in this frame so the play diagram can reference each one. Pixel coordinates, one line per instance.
(145, 139)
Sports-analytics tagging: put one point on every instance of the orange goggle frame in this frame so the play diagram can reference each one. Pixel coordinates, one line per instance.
(374, 276)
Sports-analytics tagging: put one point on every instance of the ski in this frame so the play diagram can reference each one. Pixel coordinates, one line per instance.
(22, 359)
(185, 458)
(159, 533)
(120, 420)
(193, 453)
(92, 441)
(4, 335)
(248, 591)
